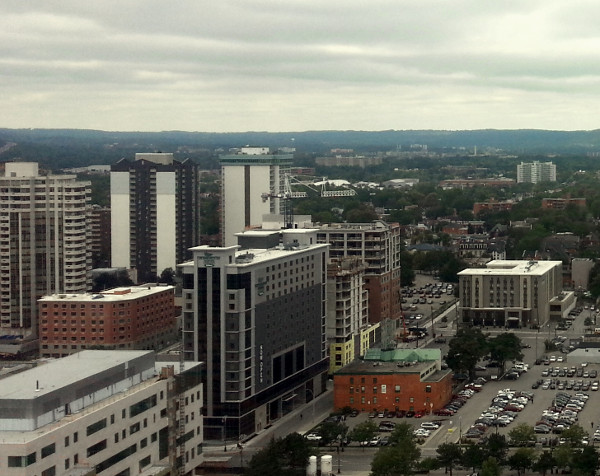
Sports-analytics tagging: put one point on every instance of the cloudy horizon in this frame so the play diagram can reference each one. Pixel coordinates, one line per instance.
(274, 65)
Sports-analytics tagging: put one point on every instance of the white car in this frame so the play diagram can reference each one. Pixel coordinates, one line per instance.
(313, 437)
(429, 425)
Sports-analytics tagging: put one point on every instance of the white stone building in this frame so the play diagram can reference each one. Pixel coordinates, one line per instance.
(101, 413)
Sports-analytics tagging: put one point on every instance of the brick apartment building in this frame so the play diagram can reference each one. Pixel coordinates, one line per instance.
(401, 379)
(136, 317)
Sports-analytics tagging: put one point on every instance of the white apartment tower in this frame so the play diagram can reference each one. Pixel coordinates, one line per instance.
(246, 177)
(536, 172)
(43, 242)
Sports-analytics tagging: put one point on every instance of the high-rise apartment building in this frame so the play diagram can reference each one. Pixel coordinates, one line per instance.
(246, 179)
(377, 244)
(99, 226)
(349, 332)
(155, 213)
(132, 317)
(102, 413)
(256, 314)
(44, 242)
(535, 172)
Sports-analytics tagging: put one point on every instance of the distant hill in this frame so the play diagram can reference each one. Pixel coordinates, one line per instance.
(75, 147)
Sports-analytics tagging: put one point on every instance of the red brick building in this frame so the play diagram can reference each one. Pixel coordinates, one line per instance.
(136, 317)
(493, 206)
(561, 203)
(402, 379)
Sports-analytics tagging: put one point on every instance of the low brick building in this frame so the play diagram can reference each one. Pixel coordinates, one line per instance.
(133, 317)
(400, 379)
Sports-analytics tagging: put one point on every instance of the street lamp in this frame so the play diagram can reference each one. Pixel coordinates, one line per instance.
(225, 433)
(339, 438)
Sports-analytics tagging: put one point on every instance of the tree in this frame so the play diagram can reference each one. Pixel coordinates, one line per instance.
(473, 456)
(505, 346)
(586, 463)
(491, 467)
(282, 456)
(521, 435)
(399, 459)
(167, 276)
(449, 454)
(496, 447)
(574, 434)
(364, 431)
(563, 455)
(544, 463)
(111, 280)
(330, 430)
(465, 350)
(522, 459)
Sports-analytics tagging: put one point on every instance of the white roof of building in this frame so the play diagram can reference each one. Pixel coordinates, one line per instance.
(47, 378)
(513, 267)
(124, 293)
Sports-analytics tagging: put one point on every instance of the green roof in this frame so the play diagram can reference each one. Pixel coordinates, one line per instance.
(403, 355)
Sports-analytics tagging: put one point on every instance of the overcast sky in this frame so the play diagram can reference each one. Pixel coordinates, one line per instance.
(295, 65)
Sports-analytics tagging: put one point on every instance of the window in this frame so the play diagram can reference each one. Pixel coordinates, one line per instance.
(144, 443)
(75, 437)
(428, 389)
(48, 450)
(383, 388)
(142, 406)
(412, 399)
(51, 471)
(92, 450)
(66, 441)
(374, 390)
(94, 427)
(374, 400)
(21, 461)
(134, 428)
(397, 388)
(67, 463)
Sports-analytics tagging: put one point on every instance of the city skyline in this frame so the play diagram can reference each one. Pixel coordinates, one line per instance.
(294, 66)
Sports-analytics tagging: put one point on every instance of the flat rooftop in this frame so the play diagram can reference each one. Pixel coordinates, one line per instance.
(124, 293)
(60, 373)
(512, 267)
(253, 256)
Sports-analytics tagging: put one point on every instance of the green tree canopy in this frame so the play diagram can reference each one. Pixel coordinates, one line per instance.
(364, 431)
(449, 455)
(505, 346)
(282, 456)
(465, 349)
(473, 456)
(401, 457)
(521, 434)
(586, 463)
(522, 459)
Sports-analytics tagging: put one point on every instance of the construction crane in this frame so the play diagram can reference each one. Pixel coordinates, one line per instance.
(287, 195)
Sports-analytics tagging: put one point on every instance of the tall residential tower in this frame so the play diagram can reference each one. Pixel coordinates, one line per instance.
(43, 242)
(155, 213)
(246, 177)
